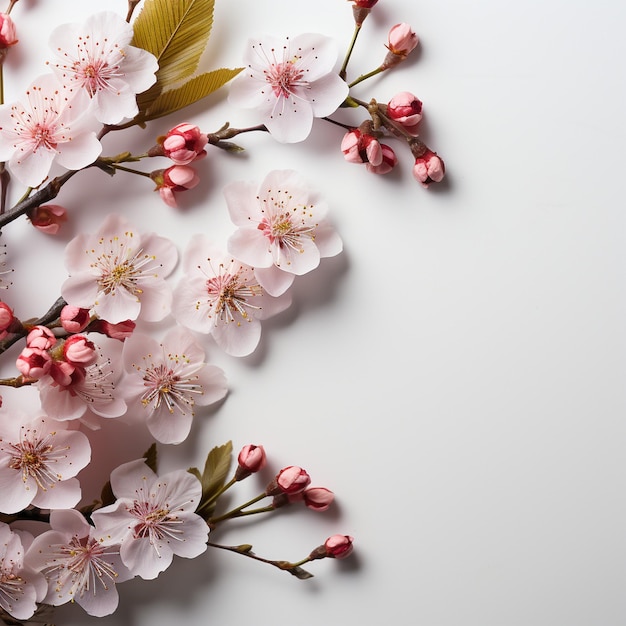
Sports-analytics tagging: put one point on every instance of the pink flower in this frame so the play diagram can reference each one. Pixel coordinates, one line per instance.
(290, 480)
(78, 350)
(8, 36)
(6, 319)
(38, 462)
(76, 565)
(361, 147)
(282, 228)
(402, 40)
(21, 588)
(222, 297)
(166, 381)
(251, 459)
(74, 319)
(184, 143)
(428, 168)
(388, 162)
(121, 330)
(96, 59)
(339, 546)
(120, 273)
(40, 337)
(49, 129)
(48, 218)
(405, 109)
(33, 363)
(318, 498)
(288, 82)
(174, 179)
(153, 518)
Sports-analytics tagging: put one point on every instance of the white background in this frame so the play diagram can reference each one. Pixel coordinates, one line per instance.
(456, 375)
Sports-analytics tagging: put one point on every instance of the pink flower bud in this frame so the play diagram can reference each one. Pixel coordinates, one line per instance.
(64, 373)
(174, 179)
(390, 160)
(74, 319)
(251, 459)
(402, 40)
(48, 218)
(33, 362)
(121, 330)
(405, 109)
(184, 143)
(338, 546)
(41, 338)
(289, 480)
(7, 32)
(364, 4)
(360, 147)
(6, 319)
(318, 498)
(428, 168)
(78, 350)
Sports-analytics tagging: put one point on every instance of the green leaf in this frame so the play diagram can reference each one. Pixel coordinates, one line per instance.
(215, 469)
(176, 32)
(191, 91)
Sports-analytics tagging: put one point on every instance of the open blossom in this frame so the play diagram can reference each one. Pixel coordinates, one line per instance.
(76, 565)
(153, 518)
(47, 129)
(96, 58)
(282, 228)
(120, 273)
(165, 381)
(21, 587)
(222, 297)
(39, 460)
(288, 82)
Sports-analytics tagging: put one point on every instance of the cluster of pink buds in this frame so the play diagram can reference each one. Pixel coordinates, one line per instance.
(361, 145)
(292, 484)
(64, 360)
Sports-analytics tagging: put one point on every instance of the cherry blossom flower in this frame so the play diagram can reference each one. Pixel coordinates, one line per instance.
(92, 388)
(39, 459)
(96, 58)
(120, 273)
(153, 518)
(282, 228)
(49, 129)
(77, 566)
(288, 82)
(21, 587)
(165, 382)
(222, 297)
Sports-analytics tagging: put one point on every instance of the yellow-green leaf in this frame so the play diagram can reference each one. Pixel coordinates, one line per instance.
(215, 469)
(191, 91)
(176, 33)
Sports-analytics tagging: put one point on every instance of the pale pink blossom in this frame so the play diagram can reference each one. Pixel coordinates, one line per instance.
(48, 218)
(428, 168)
(222, 297)
(165, 382)
(48, 129)
(120, 273)
(21, 587)
(288, 82)
(96, 58)
(289, 481)
(153, 518)
(283, 230)
(76, 564)
(174, 180)
(92, 388)
(184, 143)
(39, 460)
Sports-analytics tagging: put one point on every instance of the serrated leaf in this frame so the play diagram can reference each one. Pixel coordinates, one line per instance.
(191, 91)
(215, 469)
(176, 33)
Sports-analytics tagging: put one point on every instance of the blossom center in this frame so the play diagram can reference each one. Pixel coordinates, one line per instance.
(165, 386)
(154, 522)
(284, 78)
(33, 459)
(229, 294)
(281, 229)
(11, 588)
(43, 136)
